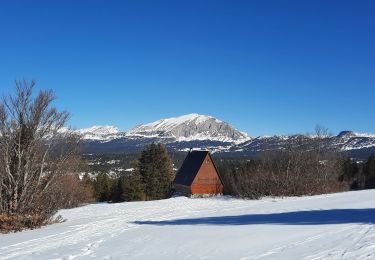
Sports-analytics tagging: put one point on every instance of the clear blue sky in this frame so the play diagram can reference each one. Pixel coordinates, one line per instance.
(267, 67)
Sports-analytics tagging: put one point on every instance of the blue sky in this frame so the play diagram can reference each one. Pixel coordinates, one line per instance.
(267, 67)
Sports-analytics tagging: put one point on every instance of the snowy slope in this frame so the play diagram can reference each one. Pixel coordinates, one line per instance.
(335, 226)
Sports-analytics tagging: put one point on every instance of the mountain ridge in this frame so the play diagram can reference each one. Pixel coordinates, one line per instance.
(190, 127)
(206, 132)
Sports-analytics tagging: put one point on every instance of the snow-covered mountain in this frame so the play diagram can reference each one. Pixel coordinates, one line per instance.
(189, 128)
(348, 141)
(207, 132)
(100, 133)
(353, 144)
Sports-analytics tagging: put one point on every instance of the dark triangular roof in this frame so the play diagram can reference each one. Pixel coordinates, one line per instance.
(190, 167)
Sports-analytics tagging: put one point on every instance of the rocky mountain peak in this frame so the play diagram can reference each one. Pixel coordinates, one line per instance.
(190, 127)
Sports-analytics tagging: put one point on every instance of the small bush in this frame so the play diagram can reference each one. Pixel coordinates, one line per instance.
(9, 223)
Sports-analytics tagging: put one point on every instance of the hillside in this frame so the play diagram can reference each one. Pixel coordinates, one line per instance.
(334, 226)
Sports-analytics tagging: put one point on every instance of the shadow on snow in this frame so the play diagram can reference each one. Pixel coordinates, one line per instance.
(313, 217)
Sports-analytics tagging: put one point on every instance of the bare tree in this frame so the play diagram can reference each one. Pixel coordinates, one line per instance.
(35, 149)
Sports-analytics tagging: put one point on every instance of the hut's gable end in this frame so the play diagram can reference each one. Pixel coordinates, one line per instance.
(190, 168)
(207, 180)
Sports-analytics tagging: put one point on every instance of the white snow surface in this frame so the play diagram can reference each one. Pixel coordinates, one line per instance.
(334, 226)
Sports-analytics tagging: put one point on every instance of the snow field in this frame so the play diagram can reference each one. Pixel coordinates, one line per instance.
(334, 226)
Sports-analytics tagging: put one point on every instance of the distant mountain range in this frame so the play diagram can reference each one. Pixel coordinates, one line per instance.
(206, 132)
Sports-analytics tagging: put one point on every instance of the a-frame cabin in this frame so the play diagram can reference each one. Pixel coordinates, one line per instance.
(198, 175)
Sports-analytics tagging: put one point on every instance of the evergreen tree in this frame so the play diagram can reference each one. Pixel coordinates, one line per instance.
(117, 190)
(132, 187)
(349, 170)
(156, 170)
(369, 171)
(102, 187)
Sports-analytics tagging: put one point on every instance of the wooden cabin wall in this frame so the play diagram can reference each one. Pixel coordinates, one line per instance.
(207, 180)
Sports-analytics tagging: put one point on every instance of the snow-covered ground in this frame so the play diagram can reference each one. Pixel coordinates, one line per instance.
(334, 226)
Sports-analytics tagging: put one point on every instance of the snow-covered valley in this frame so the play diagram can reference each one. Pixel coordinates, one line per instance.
(333, 226)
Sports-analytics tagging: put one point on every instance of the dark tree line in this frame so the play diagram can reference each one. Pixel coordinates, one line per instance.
(359, 175)
(303, 167)
(150, 179)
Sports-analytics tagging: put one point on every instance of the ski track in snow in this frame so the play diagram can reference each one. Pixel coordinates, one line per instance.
(119, 231)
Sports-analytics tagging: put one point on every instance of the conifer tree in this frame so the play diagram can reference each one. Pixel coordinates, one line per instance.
(349, 170)
(132, 187)
(156, 169)
(102, 187)
(369, 171)
(117, 190)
